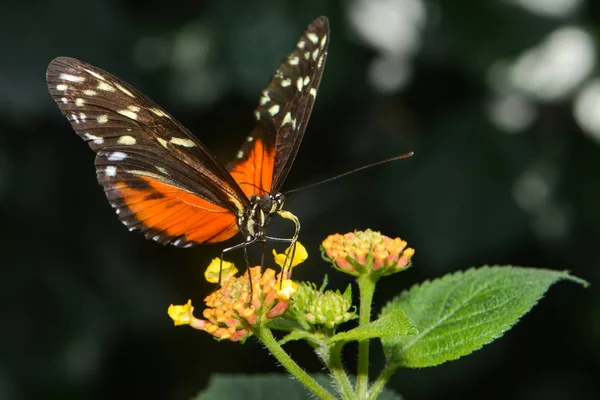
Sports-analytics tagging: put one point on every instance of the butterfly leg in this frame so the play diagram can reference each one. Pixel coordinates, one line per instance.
(262, 256)
(286, 269)
(248, 269)
(249, 240)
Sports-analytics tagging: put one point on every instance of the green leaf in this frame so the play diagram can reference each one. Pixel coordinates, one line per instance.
(267, 387)
(250, 387)
(393, 323)
(459, 313)
(297, 335)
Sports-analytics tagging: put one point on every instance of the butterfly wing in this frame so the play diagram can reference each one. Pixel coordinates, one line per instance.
(284, 108)
(155, 173)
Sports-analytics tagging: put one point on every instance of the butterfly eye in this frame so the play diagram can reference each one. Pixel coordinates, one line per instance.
(266, 203)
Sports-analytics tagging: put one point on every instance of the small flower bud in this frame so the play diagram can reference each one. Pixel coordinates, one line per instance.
(327, 308)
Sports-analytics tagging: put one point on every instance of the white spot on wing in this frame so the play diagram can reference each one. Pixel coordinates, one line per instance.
(117, 156)
(122, 89)
(307, 55)
(315, 54)
(287, 119)
(264, 98)
(106, 87)
(323, 41)
(102, 119)
(294, 60)
(94, 74)
(126, 140)
(240, 154)
(133, 108)
(75, 118)
(62, 87)
(301, 44)
(306, 80)
(162, 142)
(182, 142)
(257, 115)
(312, 37)
(313, 92)
(96, 139)
(285, 83)
(64, 100)
(274, 110)
(110, 170)
(79, 102)
(82, 116)
(299, 84)
(320, 62)
(71, 78)
(128, 114)
(90, 92)
(158, 112)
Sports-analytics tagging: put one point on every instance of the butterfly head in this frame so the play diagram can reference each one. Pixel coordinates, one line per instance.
(255, 218)
(270, 203)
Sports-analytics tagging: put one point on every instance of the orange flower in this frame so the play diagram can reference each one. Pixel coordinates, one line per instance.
(367, 251)
(235, 308)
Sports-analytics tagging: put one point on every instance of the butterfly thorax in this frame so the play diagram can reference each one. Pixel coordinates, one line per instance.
(255, 218)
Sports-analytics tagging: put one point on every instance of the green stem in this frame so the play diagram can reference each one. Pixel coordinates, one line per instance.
(382, 379)
(265, 335)
(366, 287)
(332, 356)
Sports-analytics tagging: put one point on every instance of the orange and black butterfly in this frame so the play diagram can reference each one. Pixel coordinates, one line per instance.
(163, 181)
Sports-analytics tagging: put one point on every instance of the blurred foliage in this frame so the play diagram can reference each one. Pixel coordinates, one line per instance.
(85, 301)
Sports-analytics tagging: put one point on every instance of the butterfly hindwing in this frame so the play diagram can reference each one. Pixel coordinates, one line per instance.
(284, 108)
(157, 175)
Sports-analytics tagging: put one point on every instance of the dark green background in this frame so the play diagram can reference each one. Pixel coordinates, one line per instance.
(84, 301)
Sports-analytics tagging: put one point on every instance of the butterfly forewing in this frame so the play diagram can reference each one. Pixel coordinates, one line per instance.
(157, 175)
(282, 114)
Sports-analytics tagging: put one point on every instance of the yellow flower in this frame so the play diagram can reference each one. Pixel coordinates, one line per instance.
(288, 288)
(300, 255)
(181, 315)
(219, 268)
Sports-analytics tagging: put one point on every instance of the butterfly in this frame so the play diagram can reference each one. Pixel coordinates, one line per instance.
(162, 180)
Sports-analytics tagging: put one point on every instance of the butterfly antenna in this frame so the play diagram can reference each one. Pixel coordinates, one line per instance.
(252, 184)
(387, 160)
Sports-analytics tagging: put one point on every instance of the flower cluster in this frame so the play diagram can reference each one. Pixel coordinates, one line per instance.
(241, 303)
(367, 251)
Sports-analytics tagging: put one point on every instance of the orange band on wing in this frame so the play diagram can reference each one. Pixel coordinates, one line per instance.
(165, 209)
(254, 172)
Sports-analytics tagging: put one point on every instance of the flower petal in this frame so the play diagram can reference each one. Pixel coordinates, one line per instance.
(222, 268)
